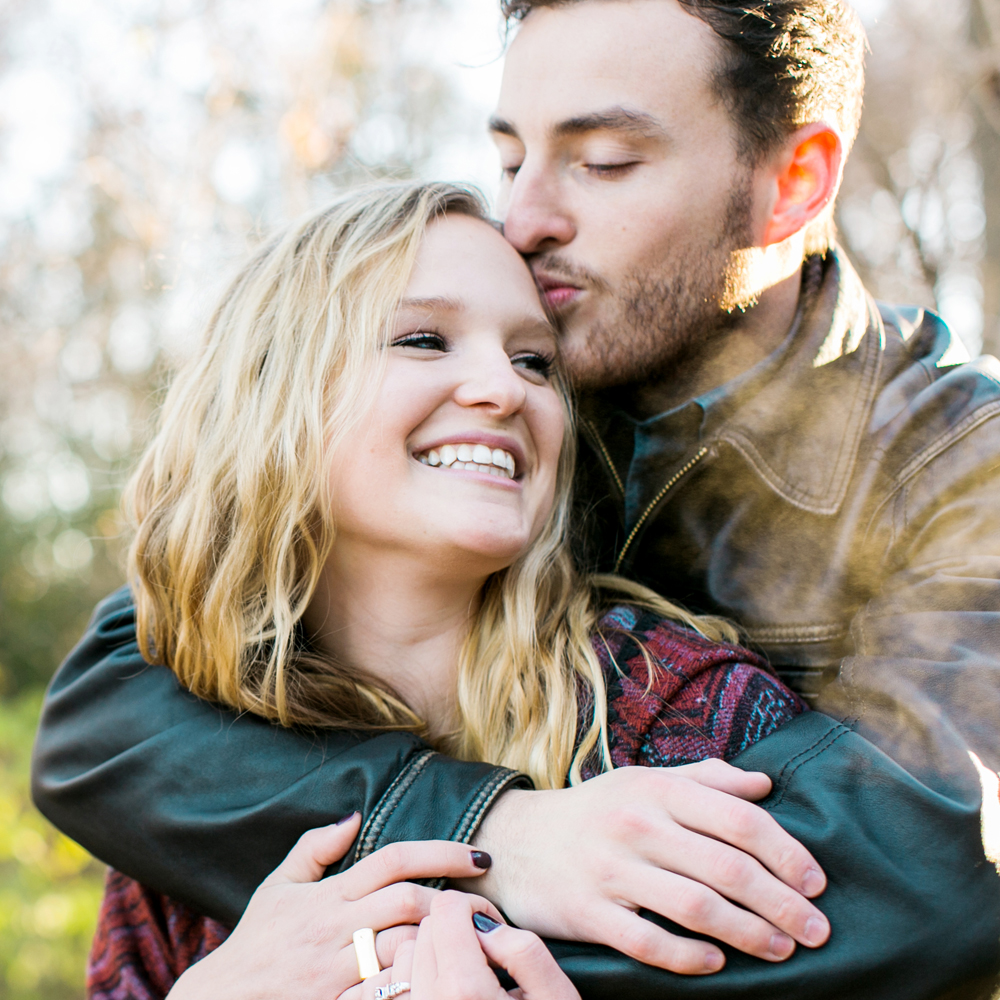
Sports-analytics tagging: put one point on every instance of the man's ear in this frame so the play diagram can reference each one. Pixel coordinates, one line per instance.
(805, 177)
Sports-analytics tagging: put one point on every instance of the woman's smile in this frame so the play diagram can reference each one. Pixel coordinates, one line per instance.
(487, 454)
(468, 402)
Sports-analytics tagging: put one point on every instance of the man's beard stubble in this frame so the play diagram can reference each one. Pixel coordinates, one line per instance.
(662, 320)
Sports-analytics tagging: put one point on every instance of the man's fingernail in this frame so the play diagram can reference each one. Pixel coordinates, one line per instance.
(816, 930)
(481, 859)
(714, 961)
(813, 883)
(347, 818)
(484, 923)
(781, 945)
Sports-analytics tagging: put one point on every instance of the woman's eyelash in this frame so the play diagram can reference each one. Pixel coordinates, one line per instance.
(541, 363)
(421, 338)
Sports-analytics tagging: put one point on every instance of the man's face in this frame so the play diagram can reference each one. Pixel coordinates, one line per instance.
(622, 183)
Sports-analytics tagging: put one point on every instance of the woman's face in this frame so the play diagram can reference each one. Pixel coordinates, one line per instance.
(456, 460)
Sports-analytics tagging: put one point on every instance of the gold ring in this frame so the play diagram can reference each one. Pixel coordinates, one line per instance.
(364, 949)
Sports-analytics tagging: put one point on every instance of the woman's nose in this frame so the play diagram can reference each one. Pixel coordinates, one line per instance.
(492, 383)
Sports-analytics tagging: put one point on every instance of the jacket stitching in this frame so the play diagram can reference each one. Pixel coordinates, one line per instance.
(800, 633)
(863, 398)
(921, 461)
(836, 733)
(802, 753)
(948, 437)
(496, 783)
(386, 806)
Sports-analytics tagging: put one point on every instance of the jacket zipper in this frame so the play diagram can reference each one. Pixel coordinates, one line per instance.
(604, 451)
(670, 483)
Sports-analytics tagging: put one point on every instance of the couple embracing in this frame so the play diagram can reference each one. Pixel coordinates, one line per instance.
(407, 544)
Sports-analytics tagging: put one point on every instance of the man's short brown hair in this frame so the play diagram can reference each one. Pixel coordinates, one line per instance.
(785, 63)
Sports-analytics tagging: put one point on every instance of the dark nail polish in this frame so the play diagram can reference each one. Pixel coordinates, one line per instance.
(481, 859)
(347, 818)
(484, 923)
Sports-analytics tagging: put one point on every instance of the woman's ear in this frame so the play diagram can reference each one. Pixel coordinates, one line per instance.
(805, 176)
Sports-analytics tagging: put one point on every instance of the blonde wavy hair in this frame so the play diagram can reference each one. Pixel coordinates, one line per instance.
(229, 510)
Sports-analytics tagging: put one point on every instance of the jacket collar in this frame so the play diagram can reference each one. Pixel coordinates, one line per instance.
(798, 421)
(801, 429)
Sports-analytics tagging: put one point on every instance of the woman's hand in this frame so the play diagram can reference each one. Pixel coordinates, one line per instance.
(686, 842)
(451, 957)
(295, 938)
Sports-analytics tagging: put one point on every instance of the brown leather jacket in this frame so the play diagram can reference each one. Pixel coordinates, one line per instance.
(842, 503)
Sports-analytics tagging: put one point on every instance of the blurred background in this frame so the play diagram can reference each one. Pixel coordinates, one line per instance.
(146, 144)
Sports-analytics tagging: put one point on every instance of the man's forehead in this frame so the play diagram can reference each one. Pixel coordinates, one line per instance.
(573, 64)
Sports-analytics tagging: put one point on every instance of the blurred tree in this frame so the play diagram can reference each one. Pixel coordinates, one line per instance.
(142, 147)
(919, 211)
(49, 887)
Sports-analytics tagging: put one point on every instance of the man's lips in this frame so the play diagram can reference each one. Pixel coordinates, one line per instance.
(558, 292)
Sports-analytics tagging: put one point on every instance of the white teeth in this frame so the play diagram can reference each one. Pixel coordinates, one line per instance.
(472, 457)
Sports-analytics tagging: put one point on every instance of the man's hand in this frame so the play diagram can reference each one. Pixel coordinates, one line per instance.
(577, 863)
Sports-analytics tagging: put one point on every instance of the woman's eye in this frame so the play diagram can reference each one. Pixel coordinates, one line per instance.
(540, 364)
(510, 172)
(422, 340)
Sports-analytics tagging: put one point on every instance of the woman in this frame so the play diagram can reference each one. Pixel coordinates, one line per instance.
(355, 514)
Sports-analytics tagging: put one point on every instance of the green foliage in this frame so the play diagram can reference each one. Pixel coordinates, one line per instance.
(50, 888)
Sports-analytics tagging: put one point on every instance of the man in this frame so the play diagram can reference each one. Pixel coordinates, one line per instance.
(763, 442)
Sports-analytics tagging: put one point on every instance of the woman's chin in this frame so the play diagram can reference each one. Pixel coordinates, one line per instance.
(483, 552)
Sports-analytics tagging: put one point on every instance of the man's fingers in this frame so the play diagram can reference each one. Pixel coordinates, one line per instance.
(529, 963)
(737, 876)
(644, 941)
(316, 849)
(702, 910)
(409, 860)
(724, 817)
(723, 777)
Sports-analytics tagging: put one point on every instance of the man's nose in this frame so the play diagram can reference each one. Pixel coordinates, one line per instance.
(536, 218)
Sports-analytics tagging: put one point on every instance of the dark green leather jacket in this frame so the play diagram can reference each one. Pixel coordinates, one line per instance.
(840, 501)
(201, 804)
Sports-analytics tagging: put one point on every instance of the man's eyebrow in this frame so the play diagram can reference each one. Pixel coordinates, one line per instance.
(501, 126)
(616, 119)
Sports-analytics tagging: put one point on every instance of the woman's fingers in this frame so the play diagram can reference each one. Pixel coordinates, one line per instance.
(411, 860)
(528, 961)
(315, 850)
(394, 942)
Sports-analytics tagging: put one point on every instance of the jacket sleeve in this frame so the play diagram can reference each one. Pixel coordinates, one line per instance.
(913, 903)
(923, 682)
(200, 803)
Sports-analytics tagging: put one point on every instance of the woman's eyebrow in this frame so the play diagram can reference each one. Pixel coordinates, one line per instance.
(442, 302)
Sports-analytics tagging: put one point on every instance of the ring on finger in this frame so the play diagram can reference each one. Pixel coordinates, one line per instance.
(364, 950)
(391, 991)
